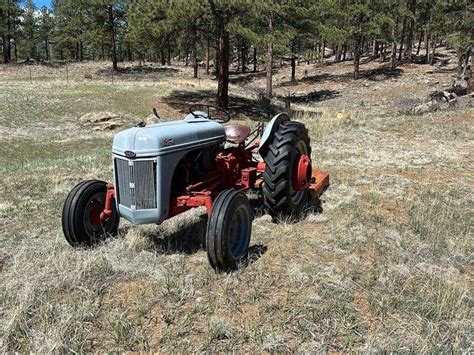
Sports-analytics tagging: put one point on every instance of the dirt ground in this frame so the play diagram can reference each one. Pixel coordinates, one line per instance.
(386, 265)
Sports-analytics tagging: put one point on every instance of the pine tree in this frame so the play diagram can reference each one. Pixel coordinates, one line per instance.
(148, 27)
(192, 23)
(106, 19)
(9, 18)
(236, 30)
(45, 29)
(71, 28)
(30, 30)
(359, 19)
(454, 20)
(225, 15)
(299, 27)
(274, 32)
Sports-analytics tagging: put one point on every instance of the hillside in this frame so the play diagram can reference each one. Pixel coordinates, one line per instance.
(385, 265)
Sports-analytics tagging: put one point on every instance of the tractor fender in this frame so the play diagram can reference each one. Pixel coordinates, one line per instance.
(271, 128)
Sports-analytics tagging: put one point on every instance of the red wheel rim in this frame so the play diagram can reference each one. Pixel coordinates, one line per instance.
(302, 175)
(94, 216)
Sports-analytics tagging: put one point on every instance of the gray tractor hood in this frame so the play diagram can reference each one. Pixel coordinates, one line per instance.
(168, 137)
(145, 160)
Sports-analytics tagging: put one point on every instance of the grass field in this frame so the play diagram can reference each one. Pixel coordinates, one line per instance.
(387, 265)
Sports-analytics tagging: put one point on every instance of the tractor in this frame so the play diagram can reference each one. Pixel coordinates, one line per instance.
(164, 169)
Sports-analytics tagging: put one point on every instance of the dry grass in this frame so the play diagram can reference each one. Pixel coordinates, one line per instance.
(387, 265)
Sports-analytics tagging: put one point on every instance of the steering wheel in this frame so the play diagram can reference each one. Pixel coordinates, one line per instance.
(223, 117)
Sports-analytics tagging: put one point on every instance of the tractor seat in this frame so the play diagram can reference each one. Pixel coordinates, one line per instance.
(236, 133)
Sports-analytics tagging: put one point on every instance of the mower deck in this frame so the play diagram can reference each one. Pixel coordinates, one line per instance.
(320, 183)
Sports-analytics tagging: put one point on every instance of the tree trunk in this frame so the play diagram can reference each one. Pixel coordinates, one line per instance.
(195, 62)
(6, 38)
(112, 37)
(3, 40)
(400, 54)
(293, 68)
(76, 51)
(6, 49)
(207, 56)
(419, 43)
(338, 52)
(243, 56)
(393, 59)
(362, 46)
(375, 48)
(269, 91)
(344, 52)
(162, 57)
(433, 51)
(322, 48)
(216, 56)
(168, 56)
(358, 41)
(81, 51)
(46, 47)
(223, 67)
(254, 59)
(238, 56)
(470, 81)
(427, 46)
(129, 53)
(409, 51)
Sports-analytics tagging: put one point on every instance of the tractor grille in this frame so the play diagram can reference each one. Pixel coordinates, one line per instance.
(136, 183)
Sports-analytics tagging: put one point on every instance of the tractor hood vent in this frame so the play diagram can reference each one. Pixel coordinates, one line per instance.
(136, 183)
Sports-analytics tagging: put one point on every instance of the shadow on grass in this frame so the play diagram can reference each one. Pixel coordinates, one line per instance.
(191, 238)
(314, 96)
(188, 239)
(255, 109)
(245, 78)
(239, 107)
(255, 252)
(378, 74)
(136, 70)
(311, 207)
(57, 64)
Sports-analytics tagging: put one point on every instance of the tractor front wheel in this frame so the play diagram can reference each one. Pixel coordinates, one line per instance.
(82, 225)
(228, 230)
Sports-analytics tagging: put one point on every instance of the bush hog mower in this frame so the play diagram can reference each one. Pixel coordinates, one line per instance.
(164, 169)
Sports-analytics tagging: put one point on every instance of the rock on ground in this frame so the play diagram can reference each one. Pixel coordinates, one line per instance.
(344, 117)
(103, 121)
(93, 117)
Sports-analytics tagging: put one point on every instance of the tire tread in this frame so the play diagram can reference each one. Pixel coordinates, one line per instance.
(278, 160)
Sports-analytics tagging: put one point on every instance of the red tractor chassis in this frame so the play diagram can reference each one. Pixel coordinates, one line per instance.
(235, 169)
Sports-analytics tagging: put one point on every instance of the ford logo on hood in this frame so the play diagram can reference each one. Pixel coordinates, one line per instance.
(130, 154)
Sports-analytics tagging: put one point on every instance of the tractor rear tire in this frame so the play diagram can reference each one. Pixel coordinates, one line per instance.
(281, 156)
(228, 230)
(81, 215)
